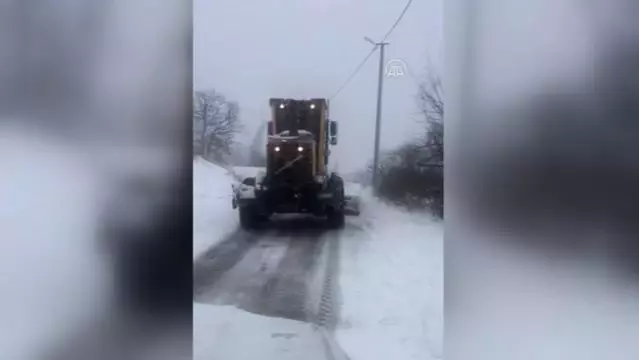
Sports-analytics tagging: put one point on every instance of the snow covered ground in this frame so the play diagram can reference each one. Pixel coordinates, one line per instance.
(225, 332)
(213, 216)
(391, 285)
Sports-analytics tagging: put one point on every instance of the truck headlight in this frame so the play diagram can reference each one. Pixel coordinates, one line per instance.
(312, 106)
(300, 149)
(277, 149)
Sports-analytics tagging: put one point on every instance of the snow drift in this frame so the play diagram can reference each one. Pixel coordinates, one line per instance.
(391, 282)
(213, 216)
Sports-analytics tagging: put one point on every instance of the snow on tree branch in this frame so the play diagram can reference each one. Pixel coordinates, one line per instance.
(215, 124)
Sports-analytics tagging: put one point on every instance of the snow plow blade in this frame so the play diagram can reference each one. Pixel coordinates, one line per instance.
(351, 208)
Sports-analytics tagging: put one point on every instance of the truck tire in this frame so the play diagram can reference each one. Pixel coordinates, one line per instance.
(248, 218)
(335, 215)
(336, 218)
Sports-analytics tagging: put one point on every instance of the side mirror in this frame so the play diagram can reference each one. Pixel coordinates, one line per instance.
(333, 140)
(333, 128)
(270, 128)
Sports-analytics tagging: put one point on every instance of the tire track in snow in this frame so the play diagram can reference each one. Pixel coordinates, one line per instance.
(266, 272)
(213, 263)
(328, 310)
(290, 271)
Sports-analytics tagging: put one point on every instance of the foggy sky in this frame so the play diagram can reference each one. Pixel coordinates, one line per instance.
(254, 50)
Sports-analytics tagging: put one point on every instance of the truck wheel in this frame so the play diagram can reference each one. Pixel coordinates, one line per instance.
(336, 218)
(335, 215)
(248, 218)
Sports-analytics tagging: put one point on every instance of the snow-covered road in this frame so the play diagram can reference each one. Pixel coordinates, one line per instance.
(276, 278)
(270, 273)
(298, 290)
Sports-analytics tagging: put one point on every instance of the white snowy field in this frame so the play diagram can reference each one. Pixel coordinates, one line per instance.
(225, 332)
(391, 285)
(213, 216)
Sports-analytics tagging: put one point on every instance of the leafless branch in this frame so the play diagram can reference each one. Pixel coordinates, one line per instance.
(216, 121)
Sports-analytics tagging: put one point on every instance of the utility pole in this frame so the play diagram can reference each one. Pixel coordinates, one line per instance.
(378, 117)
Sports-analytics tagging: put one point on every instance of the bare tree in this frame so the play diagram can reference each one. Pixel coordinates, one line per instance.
(412, 174)
(431, 105)
(215, 124)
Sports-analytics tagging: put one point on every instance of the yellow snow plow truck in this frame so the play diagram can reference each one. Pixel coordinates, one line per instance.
(296, 178)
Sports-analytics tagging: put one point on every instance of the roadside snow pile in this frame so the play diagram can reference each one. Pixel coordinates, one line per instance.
(225, 332)
(213, 216)
(391, 283)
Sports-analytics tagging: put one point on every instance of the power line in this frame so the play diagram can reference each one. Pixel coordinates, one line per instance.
(359, 67)
(398, 20)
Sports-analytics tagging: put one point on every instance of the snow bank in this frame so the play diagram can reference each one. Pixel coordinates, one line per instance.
(224, 332)
(391, 285)
(213, 216)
